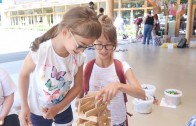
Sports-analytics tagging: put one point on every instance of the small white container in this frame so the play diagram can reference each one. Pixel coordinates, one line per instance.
(149, 89)
(143, 106)
(170, 46)
(173, 96)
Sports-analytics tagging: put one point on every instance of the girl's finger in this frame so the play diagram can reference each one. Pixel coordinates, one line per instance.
(44, 110)
(99, 95)
(1, 122)
(28, 120)
(24, 122)
(105, 97)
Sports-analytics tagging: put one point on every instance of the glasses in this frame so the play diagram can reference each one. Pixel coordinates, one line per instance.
(79, 47)
(107, 46)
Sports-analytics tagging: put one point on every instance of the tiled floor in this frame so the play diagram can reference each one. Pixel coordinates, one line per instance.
(163, 68)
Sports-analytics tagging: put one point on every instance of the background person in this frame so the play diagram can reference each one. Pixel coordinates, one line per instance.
(148, 25)
(138, 21)
(194, 26)
(92, 5)
(119, 24)
(101, 11)
(156, 26)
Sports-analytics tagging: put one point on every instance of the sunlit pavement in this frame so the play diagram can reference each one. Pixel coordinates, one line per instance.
(12, 40)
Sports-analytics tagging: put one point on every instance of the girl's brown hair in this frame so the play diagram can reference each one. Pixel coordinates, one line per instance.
(108, 29)
(156, 17)
(79, 20)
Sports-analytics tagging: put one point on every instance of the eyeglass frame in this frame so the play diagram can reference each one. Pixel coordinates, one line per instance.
(79, 47)
(105, 46)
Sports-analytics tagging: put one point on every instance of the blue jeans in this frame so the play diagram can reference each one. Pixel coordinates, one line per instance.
(147, 33)
(63, 118)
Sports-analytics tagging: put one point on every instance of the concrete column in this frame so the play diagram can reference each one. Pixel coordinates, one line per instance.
(188, 25)
(110, 8)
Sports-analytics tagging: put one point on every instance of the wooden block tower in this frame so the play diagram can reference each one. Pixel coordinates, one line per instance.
(92, 113)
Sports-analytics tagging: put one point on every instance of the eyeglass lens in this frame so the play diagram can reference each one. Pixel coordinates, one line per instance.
(107, 47)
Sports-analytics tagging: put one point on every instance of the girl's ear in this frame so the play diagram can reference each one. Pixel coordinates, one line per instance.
(65, 31)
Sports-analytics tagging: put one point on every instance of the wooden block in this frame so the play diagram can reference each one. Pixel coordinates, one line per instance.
(89, 123)
(91, 118)
(79, 105)
(102, 119)
(92, 93)
(95, 111)
(92, 113)
(80, 121)
(89, 108)
(86, 99)
(108, 123)
(99, 103)
(84, 103)
(101, 123)
(107, 112)
(86, 106)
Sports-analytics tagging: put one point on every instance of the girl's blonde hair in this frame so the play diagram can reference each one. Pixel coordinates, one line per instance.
(108, 29)
(81, 21)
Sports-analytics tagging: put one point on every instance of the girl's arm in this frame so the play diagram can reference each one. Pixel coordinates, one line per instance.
(79, 96)
(70, 96)
(23, 84)
(7, 104)
(133, 88)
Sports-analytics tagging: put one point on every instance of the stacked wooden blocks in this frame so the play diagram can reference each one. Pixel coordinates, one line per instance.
(92, 112)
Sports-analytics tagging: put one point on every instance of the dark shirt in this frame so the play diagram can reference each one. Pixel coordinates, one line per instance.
(149, 20)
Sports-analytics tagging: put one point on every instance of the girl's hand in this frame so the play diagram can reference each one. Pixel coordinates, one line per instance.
(108, 92)
(24, 117)
(1, 122)
(50, 112)
(1, 119)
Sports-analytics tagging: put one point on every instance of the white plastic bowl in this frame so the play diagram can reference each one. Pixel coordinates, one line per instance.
(171, 98)
(143, 106)
(149, 89)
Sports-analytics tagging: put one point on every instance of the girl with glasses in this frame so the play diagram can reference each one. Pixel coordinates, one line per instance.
(51, 74)
(104, 78)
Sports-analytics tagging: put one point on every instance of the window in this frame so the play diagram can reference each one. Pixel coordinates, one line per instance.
(59, 9)
(126, 15)
(103, 5)
(115, 4)
(38, 11)
(28, 11)
(138, 13)
(48, 10)
(132, 3)
(13, 13)
(21, 12)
